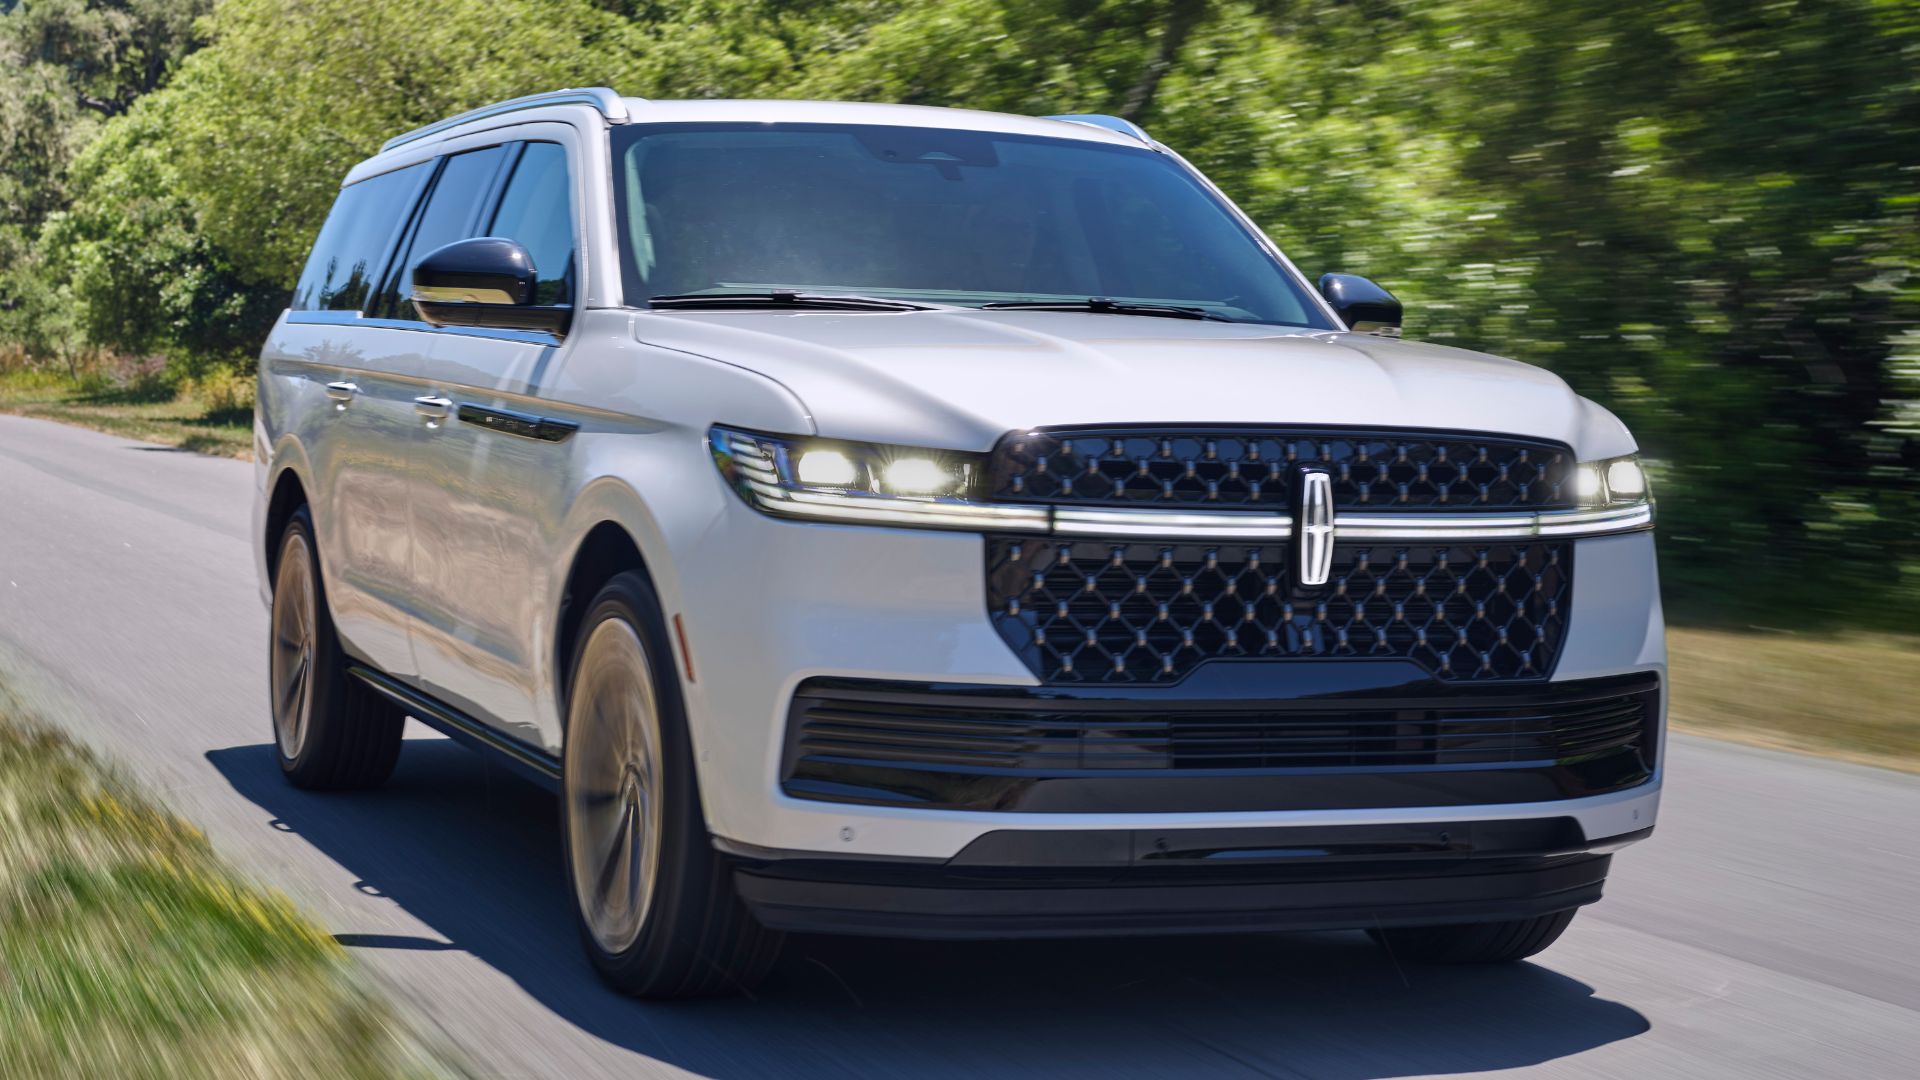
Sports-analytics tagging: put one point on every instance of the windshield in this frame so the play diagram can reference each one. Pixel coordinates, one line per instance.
(949, 217)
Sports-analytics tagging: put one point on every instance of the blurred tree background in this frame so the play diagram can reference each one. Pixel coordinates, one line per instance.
(1704, 214)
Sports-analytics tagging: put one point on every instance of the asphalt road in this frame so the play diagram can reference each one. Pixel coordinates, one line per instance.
(1771, 928)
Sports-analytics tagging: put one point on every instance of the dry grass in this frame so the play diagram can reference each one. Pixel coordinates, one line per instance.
(1851, 697)
(211, 417)
(128, 950)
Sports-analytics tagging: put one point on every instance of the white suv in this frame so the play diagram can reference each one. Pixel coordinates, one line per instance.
(920, 522)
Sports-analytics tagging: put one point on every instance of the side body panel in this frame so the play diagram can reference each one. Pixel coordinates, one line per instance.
(503, 534)
(487, 502)
(355, 453)
(485, 516)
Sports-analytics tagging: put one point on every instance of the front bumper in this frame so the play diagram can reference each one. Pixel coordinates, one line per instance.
(770, 604)
(1013, 884)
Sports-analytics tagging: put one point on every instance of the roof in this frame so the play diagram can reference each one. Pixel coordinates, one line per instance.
(643, 111)
(616, 110)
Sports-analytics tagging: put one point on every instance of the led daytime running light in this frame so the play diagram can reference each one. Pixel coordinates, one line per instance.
(848, 483)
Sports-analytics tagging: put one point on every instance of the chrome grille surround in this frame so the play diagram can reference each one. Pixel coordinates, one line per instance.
(1173, 547)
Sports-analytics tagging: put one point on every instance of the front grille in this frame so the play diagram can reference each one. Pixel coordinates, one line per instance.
(1130, 611)
(845, 729)
(1107, 751)
(1255, 468)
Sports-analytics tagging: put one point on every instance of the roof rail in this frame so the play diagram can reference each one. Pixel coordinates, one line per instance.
(611, 105)
(1101, 120)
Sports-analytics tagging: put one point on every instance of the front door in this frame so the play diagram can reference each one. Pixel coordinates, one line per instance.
(491, 491)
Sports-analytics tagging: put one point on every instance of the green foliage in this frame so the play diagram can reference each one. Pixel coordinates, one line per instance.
(266, 123)
(140, 275)
(1705, 216)
(65, 67)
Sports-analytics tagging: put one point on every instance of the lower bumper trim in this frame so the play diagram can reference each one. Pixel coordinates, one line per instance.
(1108, 750)
(1131, 882)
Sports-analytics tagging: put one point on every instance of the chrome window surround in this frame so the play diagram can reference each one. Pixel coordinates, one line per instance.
(612, 107)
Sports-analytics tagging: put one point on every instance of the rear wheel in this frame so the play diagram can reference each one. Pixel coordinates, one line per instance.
(330, 729)
(1474, 943)
(655, 903)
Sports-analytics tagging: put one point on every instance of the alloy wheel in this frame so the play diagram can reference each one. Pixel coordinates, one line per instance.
(293, 630)
(612, 777)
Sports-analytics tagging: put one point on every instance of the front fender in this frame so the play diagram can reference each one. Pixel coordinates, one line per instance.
(285, 456)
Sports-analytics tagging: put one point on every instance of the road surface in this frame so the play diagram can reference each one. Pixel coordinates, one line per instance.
(1771, 928)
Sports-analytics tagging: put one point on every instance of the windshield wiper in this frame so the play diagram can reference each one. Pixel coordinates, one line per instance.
(783, 298)
(1103, 306)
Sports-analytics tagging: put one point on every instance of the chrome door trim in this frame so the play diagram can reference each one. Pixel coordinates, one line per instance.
(354, 318)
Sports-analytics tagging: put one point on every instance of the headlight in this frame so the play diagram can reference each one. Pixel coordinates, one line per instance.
(863, 483)
(1613, 482)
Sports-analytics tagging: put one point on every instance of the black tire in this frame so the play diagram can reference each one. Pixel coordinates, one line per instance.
(351, 734)
(694, 938)
(1474, 943)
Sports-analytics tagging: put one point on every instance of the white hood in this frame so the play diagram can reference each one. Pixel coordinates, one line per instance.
(960, 379)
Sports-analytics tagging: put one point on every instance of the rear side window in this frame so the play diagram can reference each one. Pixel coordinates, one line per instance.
(537, 211)
(452, 213)
(357, 235)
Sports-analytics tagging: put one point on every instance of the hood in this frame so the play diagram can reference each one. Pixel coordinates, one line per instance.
(961, 379)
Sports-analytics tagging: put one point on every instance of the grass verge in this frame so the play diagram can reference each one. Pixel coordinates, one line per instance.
(208, 424)
(1851, 697)
(127, 949)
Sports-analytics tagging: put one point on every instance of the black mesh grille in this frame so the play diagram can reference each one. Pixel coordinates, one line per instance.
(846, 730)
(1129, 611)
(1229, 468)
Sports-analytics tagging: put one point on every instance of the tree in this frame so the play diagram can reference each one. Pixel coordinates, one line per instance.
(65, 67)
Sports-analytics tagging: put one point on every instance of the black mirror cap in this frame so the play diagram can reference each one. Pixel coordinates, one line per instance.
(1366, 308)
(487, 281)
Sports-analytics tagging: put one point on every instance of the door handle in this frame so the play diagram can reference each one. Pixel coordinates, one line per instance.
(342, 392)
(433, 408)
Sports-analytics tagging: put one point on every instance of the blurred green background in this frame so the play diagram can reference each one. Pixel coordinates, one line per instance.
(1704, 214)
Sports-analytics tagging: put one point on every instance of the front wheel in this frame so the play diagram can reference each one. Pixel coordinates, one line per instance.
(655, 903)
(1474, 943)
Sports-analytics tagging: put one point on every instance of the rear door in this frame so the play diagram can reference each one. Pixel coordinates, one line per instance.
(492, 488)
(345, 385)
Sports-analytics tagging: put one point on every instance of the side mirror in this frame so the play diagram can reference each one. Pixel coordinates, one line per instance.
(1366, 308)
(487, 281)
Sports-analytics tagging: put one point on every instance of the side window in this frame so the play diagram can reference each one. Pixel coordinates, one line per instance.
(358, 232)
(452, 213)
(537, 211)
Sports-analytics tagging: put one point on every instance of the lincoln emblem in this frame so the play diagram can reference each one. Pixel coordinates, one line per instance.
(1313, 528)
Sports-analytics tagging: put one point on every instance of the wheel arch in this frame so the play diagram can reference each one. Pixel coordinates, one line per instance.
(616, 532)
(606, 551)
(287, 489)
